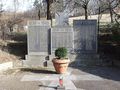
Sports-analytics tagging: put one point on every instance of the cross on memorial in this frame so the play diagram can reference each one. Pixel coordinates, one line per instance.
(54, 79)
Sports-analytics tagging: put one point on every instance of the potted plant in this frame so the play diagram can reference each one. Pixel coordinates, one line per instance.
(61, 62)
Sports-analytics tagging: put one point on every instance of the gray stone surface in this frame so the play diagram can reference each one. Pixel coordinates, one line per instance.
(54, 81)
(38, 36)
(66, 78)
(85, 36)
(44, 40)
(38, 61)
(109, 79)
(62, 37)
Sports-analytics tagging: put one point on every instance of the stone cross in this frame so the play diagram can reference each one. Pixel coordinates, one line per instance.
(54, 79)
(61, 19)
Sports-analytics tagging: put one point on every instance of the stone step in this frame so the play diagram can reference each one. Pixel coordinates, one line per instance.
(30, 63)
(84, 56)
(76, 60)
(86, 63)
(84, 59)
(37, 60)
(40, 57)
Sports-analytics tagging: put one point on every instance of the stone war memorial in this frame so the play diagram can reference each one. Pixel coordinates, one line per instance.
(80, 40)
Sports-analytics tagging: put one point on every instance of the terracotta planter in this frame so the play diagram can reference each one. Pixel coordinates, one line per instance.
(60, 65)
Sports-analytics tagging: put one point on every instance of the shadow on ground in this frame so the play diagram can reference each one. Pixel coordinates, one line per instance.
(38, 71)
(110, 49)
(53, 87)
(110, 73)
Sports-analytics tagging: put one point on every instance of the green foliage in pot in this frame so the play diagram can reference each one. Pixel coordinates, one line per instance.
(61, 52)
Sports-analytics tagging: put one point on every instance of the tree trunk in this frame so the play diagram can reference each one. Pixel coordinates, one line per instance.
(39, 16)
(48, 10)
(2, 32)
(111, 15)
(11, 29)
(86, 13)
(99, 20)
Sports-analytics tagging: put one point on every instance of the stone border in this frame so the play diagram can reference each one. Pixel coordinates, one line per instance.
(6, 65)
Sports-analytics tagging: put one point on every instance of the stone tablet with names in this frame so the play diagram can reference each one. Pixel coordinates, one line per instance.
(85, 36)
(62, 37)
(38, 37)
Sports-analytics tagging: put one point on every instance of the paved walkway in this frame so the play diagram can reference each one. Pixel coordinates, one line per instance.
(96, 78)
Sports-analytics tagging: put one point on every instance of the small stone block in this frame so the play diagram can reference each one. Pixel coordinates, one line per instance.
(61, 88)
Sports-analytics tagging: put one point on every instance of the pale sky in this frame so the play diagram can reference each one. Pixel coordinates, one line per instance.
(22, 5)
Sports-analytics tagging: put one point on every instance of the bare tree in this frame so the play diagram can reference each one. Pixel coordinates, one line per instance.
(12, 21)
(38, 6)
(16, 6)
(84, 4)
(64, 6)
(108, 6)
(1, 9)
(49, 2)
(111, 4)
(116, 14)
(2, 24)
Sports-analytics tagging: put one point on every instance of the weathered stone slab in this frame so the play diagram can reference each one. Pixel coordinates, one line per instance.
(85, 36)
(38, 40)
(36, 60)
(54, 80)
(44, 40)
(62, 37)
(38, 36)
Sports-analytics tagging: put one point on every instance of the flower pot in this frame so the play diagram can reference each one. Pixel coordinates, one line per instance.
(60, 65)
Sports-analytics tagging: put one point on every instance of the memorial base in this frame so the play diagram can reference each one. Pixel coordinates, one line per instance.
(60, 87)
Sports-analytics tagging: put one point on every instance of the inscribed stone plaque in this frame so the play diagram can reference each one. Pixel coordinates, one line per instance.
(62, 37)
(38, 37)
(85, 36)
